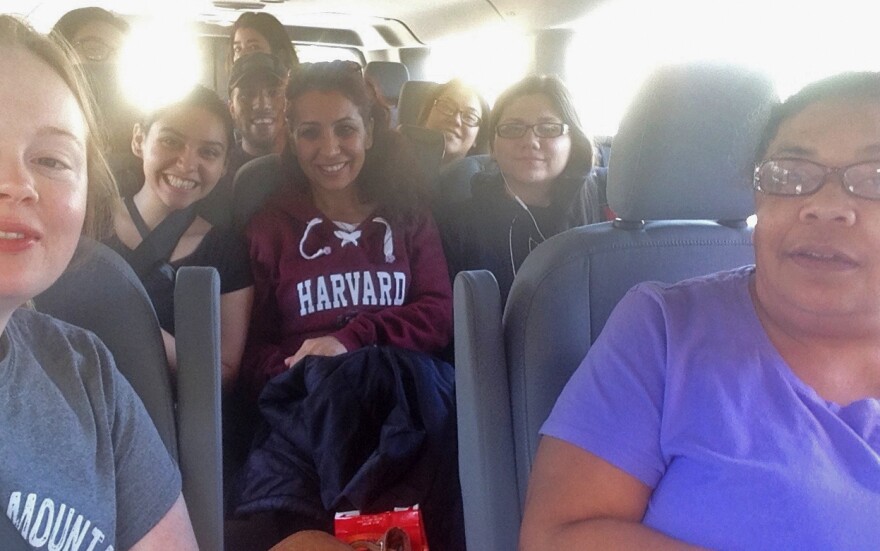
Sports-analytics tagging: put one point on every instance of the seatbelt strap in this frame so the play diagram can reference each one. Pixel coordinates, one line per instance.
(160, 242)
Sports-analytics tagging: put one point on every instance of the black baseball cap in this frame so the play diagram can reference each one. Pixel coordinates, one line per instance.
(254, 64)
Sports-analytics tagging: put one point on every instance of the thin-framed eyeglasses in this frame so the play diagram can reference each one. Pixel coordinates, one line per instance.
(516, 130)
(799, 177)
(94, 49)
(449, 109)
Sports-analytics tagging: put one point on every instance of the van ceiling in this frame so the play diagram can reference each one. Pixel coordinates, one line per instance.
(427, 20)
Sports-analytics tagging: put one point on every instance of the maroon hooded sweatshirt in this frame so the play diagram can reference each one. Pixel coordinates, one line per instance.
(379, 283)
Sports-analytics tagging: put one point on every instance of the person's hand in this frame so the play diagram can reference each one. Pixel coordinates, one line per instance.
(322, 346)
(312, 540)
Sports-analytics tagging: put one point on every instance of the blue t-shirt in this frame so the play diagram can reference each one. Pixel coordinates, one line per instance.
(684, 391)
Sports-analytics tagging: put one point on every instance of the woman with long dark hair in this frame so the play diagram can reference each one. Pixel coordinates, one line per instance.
(352, 302)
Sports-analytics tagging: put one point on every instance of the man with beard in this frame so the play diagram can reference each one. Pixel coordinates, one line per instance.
(257, 105)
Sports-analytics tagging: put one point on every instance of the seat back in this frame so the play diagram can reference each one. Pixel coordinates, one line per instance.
(100, 292)
(197, 338)
(427, 146)
(389, 77)
(413, 95)
(453, 183)
(679, 182)
(255, 182)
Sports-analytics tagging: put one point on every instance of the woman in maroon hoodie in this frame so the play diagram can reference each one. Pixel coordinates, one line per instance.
(346, 256)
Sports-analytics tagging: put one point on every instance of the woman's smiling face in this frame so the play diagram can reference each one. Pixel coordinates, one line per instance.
(446, 117)
(184, 153)
(329, 138)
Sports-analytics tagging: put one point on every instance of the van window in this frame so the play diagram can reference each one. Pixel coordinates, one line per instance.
(618, 44)
(313, 54)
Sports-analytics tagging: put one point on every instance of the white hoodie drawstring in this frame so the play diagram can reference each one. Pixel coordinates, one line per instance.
(388, 241)
(320, 252)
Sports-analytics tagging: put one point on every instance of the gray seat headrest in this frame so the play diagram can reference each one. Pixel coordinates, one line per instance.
(685, 148)
(413, 96)
(389, 76)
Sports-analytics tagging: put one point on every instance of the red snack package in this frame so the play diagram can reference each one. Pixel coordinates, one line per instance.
(353, 528)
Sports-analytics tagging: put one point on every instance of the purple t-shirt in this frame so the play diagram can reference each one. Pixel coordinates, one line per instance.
(684, 391)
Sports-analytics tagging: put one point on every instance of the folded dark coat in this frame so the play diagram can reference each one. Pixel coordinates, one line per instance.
(371, 430)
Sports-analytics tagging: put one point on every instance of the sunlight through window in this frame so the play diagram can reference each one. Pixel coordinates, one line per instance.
(159, 63)
(489, 59)
(793, 42)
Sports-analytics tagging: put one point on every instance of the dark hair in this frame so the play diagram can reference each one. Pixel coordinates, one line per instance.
(481, 143)
(581, 160)
(272, 30)
(101, 191)
(390, 175)
(72, 21)
(200, 97)
(843, 86)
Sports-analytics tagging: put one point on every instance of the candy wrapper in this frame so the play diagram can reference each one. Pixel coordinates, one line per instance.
(397, 530)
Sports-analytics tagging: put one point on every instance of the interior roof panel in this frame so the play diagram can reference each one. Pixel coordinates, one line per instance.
(428, 20)
(541, 14)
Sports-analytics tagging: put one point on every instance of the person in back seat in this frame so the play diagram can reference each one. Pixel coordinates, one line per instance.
(184, 147)
(95, 34)
(740, 410)
(261, 32)
(97, 37)
(541, 186)
(352, 295)
(257, 104)
(462, 115)
(81, 465)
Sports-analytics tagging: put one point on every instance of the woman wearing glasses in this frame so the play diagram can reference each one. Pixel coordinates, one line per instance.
(95, 34)
(541, 186)
(456, 110)
(741, 410)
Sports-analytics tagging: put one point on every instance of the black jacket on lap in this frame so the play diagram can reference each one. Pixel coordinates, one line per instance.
(371, 430)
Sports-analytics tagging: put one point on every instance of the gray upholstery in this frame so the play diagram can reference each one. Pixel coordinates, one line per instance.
(197, 334)
(428, 147)
(413, 96)
(256, 181)
(100, 292)
(389, 77)
(453, 183)
(89, 294)
(567, 287)
(685, 150)
(487, 469)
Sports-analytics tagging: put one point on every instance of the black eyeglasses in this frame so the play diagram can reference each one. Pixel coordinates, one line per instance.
(796, 177)
(94, 49)
(516, 130)
(449, 109)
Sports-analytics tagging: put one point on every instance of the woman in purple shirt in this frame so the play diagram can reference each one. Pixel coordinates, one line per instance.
(740, 410)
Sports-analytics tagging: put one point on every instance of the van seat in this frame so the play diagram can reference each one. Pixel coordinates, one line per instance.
(413, 96)
(679, 183)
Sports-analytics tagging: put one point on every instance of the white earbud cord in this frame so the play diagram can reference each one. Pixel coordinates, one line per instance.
(513, 223)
